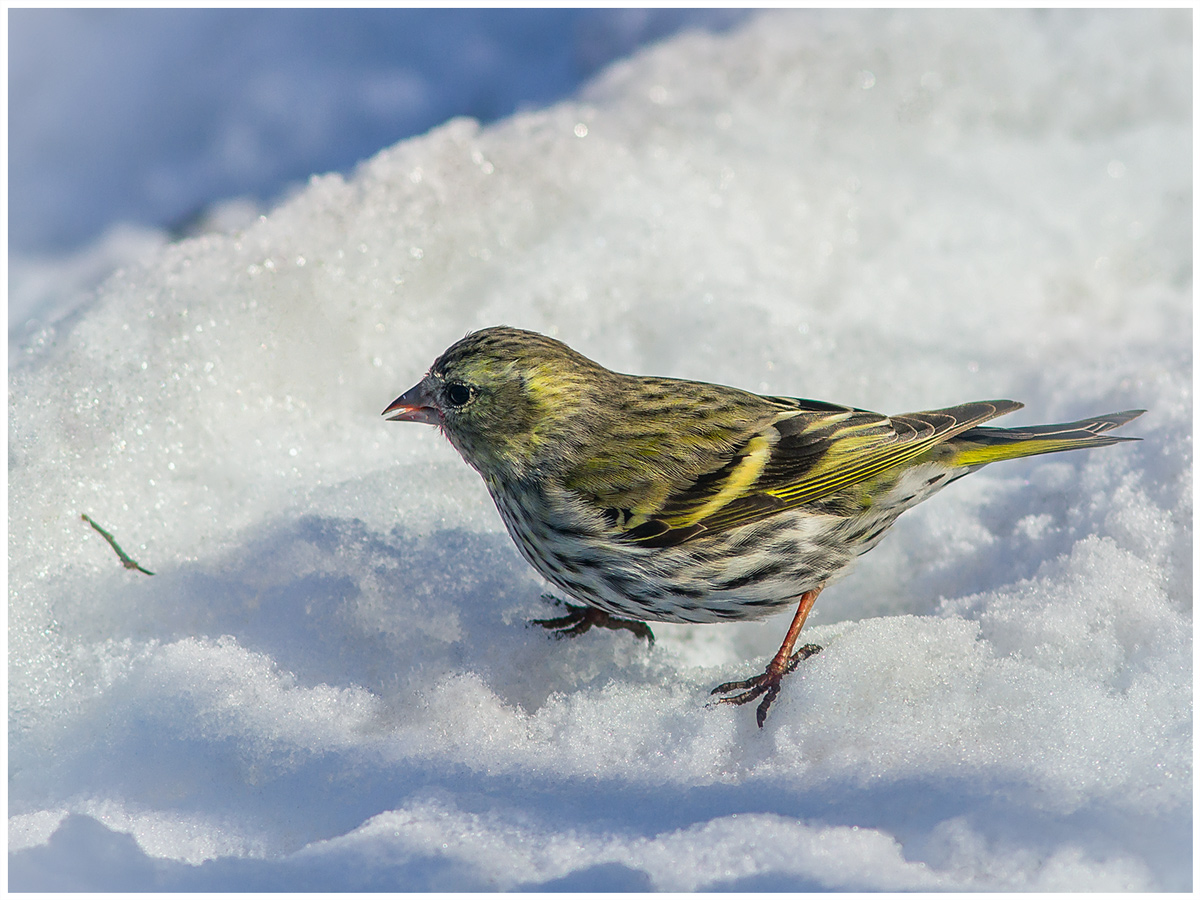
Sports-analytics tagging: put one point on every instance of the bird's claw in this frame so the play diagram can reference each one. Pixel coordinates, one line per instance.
(580, 619)
(765, 685)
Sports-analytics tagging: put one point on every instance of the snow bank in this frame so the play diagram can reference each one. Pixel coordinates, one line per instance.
(330, 683)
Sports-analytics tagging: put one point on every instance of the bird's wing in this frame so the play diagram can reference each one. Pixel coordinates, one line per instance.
(809, 451)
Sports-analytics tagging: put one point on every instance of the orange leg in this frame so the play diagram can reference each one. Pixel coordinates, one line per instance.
(784, 662)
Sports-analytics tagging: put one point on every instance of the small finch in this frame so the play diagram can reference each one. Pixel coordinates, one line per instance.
(663, 500)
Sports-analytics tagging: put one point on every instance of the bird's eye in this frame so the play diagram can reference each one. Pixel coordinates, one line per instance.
(458, 394)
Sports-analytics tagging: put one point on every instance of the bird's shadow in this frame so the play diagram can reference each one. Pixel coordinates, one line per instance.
(332, 601)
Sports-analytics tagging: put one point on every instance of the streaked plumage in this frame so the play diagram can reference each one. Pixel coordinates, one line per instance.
(658, 499)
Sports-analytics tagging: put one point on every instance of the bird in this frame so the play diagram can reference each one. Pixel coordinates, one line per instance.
(652, 499)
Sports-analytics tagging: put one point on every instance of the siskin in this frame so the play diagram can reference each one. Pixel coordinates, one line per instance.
(657, 499)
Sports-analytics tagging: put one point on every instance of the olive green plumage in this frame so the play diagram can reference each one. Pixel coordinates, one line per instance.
(669, 500)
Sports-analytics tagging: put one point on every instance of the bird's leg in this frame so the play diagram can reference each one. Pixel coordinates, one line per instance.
(766, 685)
(581, 618)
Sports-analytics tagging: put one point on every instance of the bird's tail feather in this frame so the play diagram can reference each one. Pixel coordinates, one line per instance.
(981, 445)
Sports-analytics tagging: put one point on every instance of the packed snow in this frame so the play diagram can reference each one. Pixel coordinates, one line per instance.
(330, 683)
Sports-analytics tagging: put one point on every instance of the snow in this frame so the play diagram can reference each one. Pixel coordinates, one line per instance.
(146, 115)
(330, 683)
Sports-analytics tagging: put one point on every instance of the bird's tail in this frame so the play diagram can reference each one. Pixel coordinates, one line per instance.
(981, 445)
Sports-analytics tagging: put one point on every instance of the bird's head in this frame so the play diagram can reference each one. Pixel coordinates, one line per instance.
(512, 402)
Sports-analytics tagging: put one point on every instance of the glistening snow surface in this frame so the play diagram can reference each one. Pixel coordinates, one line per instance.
(330, 683)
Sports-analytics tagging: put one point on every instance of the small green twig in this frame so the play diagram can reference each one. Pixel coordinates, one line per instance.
(126, 560)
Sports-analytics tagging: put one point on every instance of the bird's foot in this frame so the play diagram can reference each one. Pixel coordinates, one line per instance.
(765, 685)
(581, 618)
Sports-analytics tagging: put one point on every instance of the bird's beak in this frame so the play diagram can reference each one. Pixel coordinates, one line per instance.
(414, 405)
